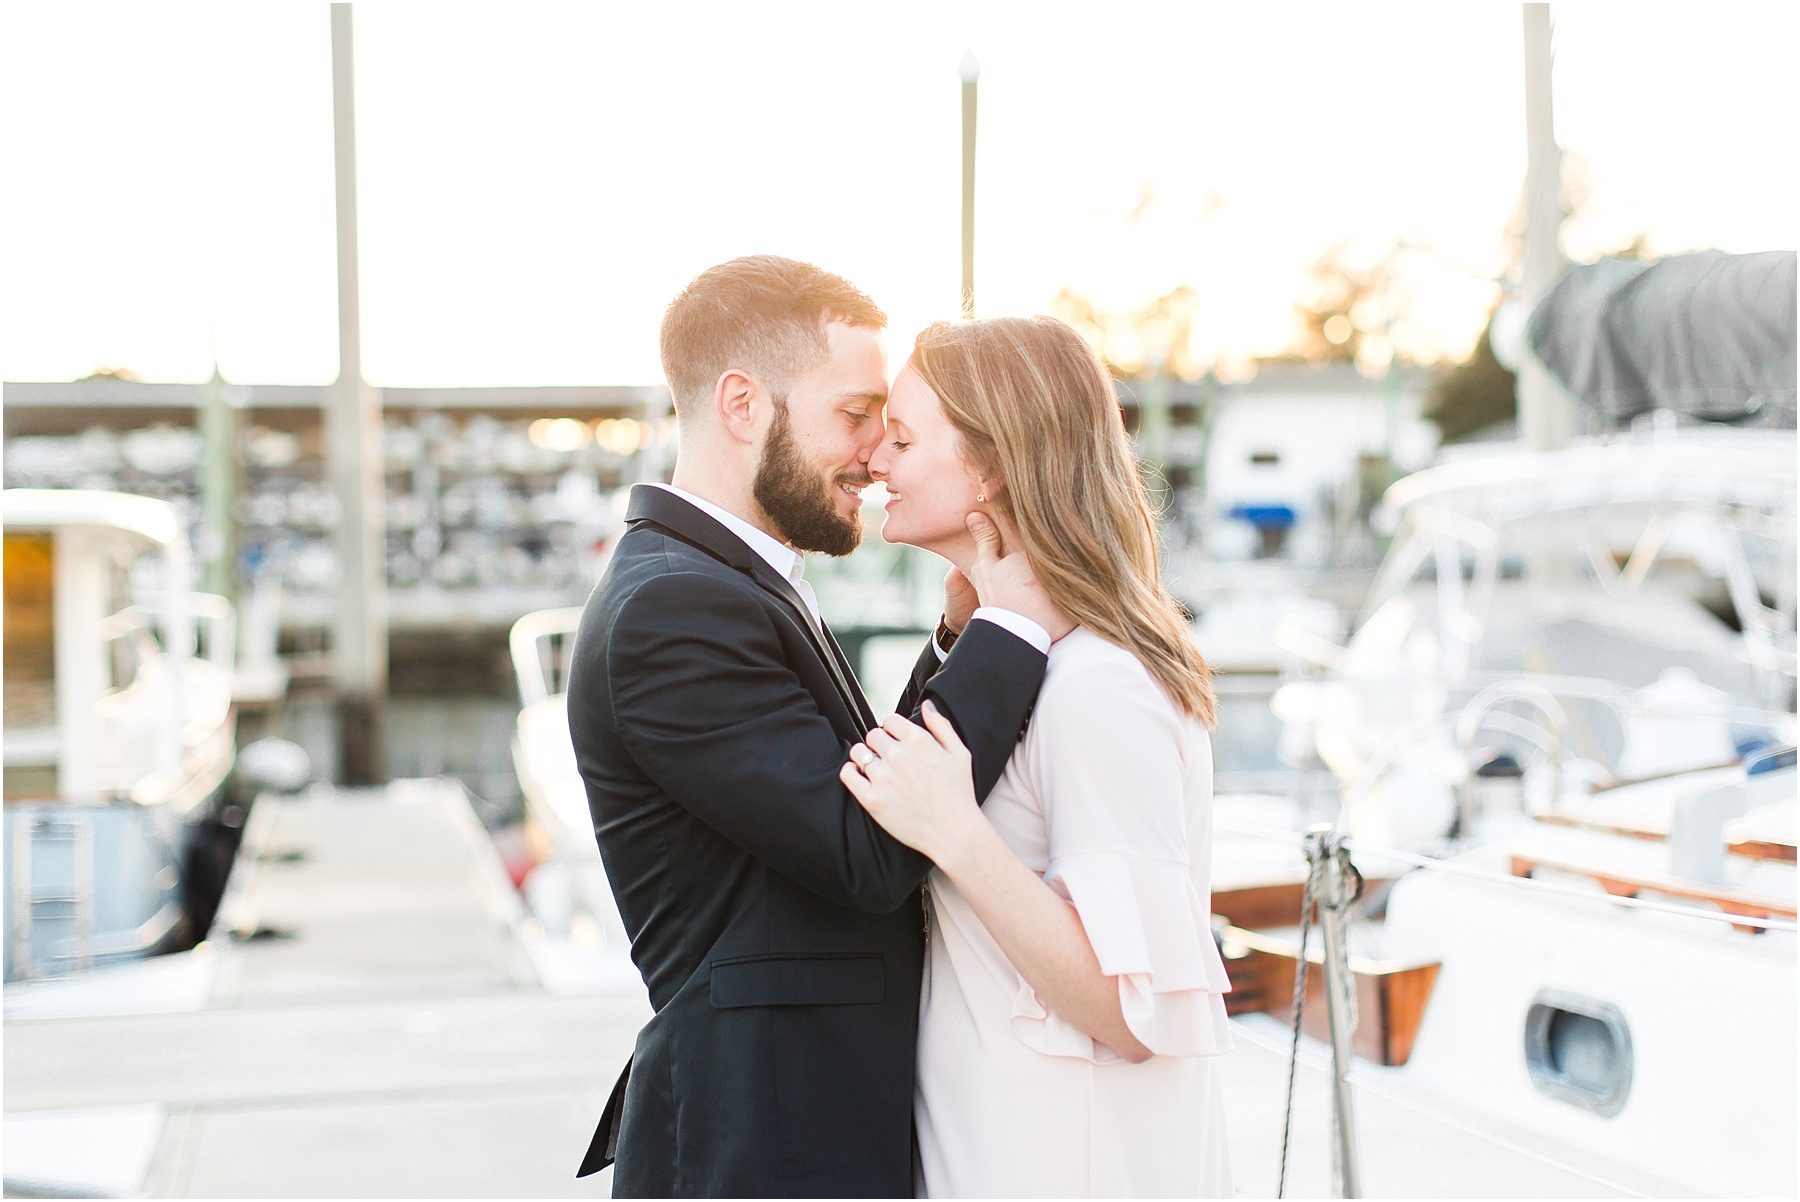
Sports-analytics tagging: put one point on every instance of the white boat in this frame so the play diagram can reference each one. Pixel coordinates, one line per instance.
(1583, 572)
(567, 891)
(119, 726)
(1571, 785)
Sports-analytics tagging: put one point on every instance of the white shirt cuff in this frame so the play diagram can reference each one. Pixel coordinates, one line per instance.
(1015, 624)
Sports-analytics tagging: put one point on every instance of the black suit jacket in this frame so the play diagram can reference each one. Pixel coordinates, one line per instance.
(778, 928)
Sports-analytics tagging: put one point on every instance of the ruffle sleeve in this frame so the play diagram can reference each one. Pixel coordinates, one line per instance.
(1124, 778)
(1150, 928)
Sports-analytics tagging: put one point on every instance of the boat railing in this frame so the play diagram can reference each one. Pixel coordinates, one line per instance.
(1374, 853)
(143, 629)
(1548, 730)
(1543, 704)
(1624, 702)
(1439, 525)
(542, 646)
(157, 730)
(1441, 537)
(214, 620)
(130, 644)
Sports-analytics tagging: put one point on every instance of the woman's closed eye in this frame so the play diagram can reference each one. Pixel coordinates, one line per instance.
(898, 445)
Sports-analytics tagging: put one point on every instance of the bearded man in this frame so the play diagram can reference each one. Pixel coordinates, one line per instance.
(779, 930)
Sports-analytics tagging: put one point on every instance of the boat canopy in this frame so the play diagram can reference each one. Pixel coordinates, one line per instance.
(1752, 469)
(1708, 335)
(153, 521)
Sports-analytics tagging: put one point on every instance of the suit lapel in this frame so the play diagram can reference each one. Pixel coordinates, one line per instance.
(692, 526)
(821, 638)
(843, 664)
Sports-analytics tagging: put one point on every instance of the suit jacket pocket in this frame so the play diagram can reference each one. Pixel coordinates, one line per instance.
(798, 980)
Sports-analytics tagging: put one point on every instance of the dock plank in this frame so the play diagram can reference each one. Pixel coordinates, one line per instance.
(362, 893)
(376, 1027)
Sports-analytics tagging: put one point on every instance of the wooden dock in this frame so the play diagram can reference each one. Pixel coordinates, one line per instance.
(380, 1025)
(377, 1016)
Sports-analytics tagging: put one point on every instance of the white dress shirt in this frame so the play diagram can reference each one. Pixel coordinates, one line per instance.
(791, 564)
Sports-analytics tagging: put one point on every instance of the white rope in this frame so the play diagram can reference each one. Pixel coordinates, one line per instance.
(1517, 882)
(1314, 872)
(1259, 832)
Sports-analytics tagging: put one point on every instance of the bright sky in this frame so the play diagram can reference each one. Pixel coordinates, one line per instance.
(537, 180)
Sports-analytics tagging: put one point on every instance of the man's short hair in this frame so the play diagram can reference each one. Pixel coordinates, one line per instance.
(763, 314)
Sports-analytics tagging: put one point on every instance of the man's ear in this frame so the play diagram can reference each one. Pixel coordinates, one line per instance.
(739, 399)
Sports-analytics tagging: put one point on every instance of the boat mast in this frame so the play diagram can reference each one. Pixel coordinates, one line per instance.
(970, 72)
(359, 647)
(1546, 414)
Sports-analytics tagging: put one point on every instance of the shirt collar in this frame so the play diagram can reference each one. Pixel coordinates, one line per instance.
(786, 561)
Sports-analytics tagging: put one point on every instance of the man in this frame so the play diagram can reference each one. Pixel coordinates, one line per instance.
(779, 930)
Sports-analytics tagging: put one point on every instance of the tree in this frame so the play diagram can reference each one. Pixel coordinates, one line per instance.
(1347, 312)
(1473, 395)
(1156, 338)
(1480, 393)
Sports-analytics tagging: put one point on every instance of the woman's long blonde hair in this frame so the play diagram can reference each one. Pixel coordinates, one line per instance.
(1033, 403)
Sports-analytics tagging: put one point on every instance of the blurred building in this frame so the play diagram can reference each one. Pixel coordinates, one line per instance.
(1297, 457)
(499, 501)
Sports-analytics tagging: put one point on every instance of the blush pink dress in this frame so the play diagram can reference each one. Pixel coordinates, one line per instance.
(1108, 798)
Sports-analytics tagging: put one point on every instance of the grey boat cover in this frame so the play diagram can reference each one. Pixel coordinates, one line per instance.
(1709, 335)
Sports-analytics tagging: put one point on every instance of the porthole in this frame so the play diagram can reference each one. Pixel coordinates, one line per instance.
(1578, 1050)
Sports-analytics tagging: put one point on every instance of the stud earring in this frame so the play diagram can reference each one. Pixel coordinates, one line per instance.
(981, 498)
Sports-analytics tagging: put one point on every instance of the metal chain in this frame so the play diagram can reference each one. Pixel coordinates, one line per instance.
(1315, 869)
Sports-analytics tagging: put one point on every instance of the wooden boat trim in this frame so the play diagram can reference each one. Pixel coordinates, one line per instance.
(1259, 907)
(1582, 822)
(1763, 849)
(1276, 945)
(1620, 882)
(1391, 995)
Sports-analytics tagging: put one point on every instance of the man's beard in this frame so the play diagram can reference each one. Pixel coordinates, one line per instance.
(797, 501)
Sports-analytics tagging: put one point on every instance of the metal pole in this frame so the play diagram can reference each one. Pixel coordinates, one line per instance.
(1546, 415)
(81, 586)
(359, 650)
(647, 464)
(970, 70)
(218, 488)
(1339, 1010)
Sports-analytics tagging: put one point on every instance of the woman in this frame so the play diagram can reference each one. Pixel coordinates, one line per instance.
(1072, 990)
